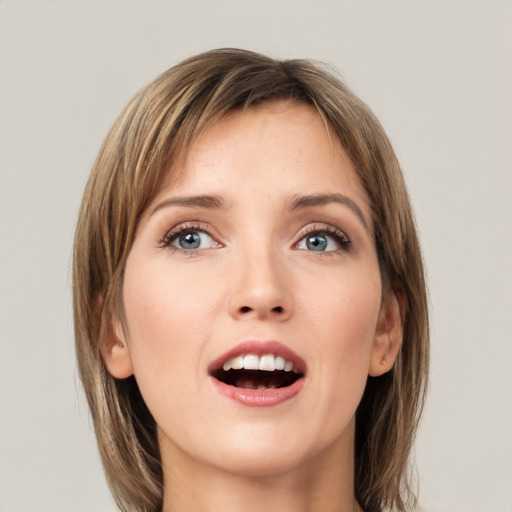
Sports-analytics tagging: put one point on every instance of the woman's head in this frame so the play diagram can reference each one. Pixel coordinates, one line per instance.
(154, 149)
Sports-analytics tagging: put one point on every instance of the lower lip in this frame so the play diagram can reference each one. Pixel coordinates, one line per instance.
(259, 397)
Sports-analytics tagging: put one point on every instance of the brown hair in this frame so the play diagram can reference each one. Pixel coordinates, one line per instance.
(156, 129)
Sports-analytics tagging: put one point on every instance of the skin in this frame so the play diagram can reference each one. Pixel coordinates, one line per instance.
(255, 277)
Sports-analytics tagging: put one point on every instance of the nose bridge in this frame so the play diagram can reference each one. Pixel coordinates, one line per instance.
(261, 285)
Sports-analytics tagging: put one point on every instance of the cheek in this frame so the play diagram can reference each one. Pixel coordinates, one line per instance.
(345, 318)
(347, 306)
(165, 333)
(160, 300)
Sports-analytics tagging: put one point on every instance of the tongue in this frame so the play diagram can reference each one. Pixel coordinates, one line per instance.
(248, 383)
(262, 380)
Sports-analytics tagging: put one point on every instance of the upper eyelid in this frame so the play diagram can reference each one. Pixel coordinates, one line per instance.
(338, 235)
(187, 226)
(321, 227)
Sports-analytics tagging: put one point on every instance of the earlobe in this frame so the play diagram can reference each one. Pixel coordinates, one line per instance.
(117, 359)
(114, 349)
(388, 334)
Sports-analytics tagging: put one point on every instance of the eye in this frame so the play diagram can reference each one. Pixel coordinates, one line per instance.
(327, 239)
(187, 238)
(193, 240)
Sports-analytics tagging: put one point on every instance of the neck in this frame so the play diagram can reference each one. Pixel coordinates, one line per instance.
(325, 483)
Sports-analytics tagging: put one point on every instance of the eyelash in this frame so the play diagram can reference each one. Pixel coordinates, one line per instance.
(177, 231)
(324, 229)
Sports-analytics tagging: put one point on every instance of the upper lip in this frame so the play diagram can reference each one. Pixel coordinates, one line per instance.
(260, 348)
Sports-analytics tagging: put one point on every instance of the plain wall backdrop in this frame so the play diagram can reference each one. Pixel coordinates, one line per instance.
(439, 76)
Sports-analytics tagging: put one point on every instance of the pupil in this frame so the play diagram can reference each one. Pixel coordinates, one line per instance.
(316, 242)
(190, 241)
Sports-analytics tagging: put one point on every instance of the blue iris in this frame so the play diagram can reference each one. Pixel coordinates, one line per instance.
(190, 240)
(316, 242)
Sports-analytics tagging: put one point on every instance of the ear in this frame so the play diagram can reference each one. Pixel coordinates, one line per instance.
(388, 333)
(113, 347)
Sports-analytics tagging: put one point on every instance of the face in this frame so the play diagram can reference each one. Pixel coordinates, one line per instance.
(252, 297)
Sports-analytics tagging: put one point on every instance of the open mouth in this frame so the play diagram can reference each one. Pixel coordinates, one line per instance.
(250, 371)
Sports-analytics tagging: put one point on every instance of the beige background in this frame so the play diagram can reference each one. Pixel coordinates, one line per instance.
(437, 73)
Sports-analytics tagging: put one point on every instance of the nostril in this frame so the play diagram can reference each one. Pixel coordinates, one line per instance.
(247, 309)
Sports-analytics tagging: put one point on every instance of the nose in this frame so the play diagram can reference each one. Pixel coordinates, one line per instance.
(261, 288)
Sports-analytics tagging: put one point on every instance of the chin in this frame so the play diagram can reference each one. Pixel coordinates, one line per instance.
(265, 451)
(262, 464)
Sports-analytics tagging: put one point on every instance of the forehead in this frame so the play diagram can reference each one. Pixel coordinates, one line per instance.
(283, 147)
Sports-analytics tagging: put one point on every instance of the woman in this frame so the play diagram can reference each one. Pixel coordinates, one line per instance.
(250, 306)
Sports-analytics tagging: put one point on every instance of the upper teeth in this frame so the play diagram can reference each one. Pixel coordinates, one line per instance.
(267, 363)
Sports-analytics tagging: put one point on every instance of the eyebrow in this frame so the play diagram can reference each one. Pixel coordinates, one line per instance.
(310, 201)
(296, 203)
(210, 202)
